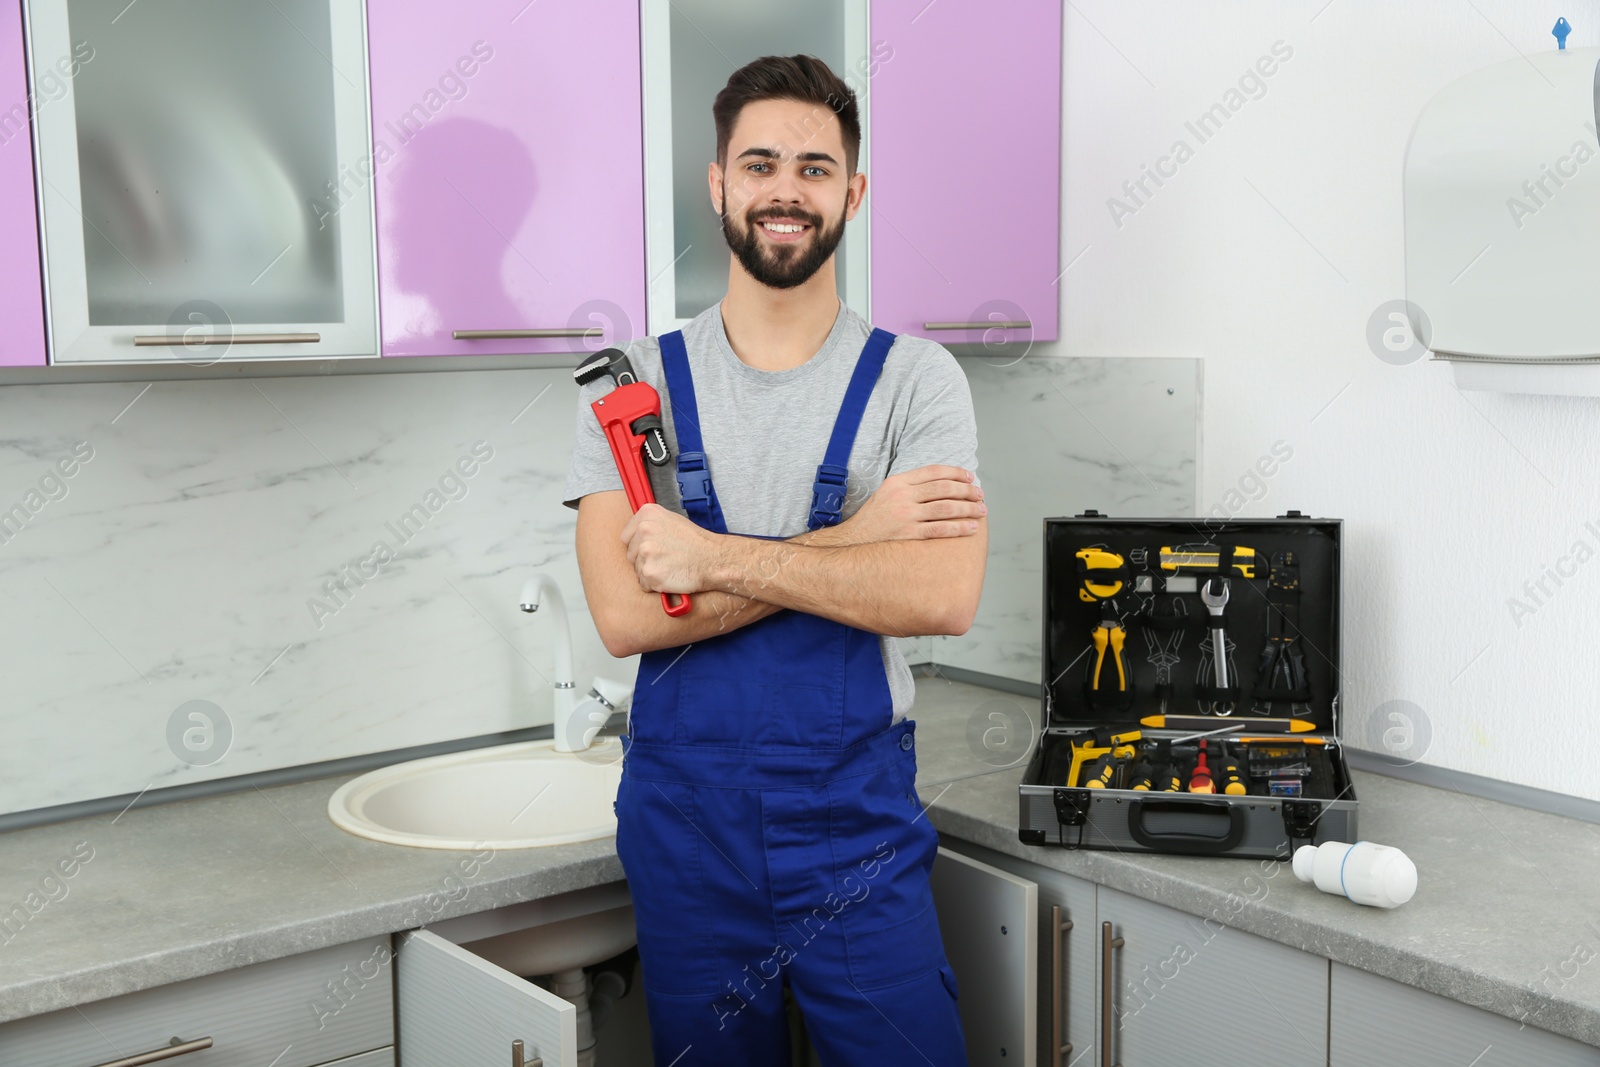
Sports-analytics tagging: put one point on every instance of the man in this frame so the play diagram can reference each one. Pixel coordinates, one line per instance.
(767, 817)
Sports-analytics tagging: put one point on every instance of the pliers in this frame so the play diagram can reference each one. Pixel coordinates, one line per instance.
(1109, 637)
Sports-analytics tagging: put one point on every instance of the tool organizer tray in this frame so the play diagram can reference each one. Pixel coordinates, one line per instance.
(1104, 774)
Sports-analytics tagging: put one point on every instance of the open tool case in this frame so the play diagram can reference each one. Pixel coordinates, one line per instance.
(1138, 584)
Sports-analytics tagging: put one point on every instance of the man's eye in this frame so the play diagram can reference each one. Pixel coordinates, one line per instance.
(821, 172)
(753, 166)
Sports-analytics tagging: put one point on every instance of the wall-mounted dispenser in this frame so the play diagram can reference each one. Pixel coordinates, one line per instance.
(1502, 224)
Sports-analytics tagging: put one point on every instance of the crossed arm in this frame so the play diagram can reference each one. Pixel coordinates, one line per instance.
(908, 563)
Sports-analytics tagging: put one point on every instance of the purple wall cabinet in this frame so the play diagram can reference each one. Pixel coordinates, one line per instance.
(21, 297)
(509, 170)
(964, 177)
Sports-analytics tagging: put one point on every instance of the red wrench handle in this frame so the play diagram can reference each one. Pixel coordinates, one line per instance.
(617, 412)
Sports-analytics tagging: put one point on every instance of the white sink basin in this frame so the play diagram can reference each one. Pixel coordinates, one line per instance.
(512, 796)
(561, 946)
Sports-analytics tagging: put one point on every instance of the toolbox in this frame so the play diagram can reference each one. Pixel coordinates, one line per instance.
(1133, 688)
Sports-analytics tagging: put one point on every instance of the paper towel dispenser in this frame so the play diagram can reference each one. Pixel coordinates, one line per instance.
(1502, 213)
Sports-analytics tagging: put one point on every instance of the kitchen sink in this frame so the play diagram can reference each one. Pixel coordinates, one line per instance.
(512, 796)
(580, 941)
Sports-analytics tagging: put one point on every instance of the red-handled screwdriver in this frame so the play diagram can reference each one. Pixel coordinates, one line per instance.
(1200, 780)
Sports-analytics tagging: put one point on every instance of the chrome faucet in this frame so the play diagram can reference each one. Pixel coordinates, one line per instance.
(575, 722)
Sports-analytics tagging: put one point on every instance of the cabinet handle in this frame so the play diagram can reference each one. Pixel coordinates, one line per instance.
(1107, 943)
(500, 335)
(227, 339)
(516, 1056)
(177, 1048)
(1018, 324)
(1058, 1020)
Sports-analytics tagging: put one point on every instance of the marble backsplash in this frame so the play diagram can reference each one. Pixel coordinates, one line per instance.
(1057, 436)
(203, 579)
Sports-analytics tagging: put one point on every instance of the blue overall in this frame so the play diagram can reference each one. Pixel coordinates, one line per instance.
(769, 825)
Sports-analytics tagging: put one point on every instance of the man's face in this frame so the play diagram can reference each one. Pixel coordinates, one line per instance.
(785, 195)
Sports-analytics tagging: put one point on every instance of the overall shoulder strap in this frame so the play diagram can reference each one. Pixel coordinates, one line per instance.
(828, 493)
(694, 474)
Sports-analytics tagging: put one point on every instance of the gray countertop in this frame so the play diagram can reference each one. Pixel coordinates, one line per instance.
(175, 891)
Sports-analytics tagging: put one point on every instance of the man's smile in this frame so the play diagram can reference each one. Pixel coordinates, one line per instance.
(783, 230)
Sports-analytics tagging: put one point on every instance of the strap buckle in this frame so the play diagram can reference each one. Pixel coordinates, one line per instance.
(828, 495)
(694, 480)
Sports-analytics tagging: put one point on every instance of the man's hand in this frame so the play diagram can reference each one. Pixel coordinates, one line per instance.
(666, 552)
(933, 501)
(669, 553)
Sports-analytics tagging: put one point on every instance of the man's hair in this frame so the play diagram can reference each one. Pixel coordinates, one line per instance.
(803, 78)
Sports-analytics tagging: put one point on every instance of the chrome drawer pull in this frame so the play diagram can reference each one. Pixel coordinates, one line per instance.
(177, 1048)
(1058, 1023)
(227, 339)
(516, 1056)
(499, 335)
(1107, 943)
(1022, 324)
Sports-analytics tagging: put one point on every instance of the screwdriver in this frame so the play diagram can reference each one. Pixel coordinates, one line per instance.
(1282, 740)
(1144, 777)
(1228, 773)
(1098, 774)
(1200, 781)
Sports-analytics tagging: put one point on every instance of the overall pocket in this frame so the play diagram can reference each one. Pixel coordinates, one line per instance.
(884, 848)
(660, 854)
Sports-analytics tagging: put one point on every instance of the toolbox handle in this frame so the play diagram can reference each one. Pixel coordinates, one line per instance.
(1194, 844)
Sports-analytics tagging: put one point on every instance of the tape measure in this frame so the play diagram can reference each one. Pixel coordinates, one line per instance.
(1101, 574)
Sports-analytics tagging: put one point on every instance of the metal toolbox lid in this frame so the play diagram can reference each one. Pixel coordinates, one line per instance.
(1069, 621)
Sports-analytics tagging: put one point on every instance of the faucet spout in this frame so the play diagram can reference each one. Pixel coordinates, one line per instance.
(538, 591)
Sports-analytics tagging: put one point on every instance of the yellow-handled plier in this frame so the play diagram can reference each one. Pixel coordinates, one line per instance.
(1109, 636)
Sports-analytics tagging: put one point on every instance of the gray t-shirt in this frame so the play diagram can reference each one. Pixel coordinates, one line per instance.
(764, 432)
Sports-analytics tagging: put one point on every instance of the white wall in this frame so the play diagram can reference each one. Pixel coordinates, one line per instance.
(1265, 255)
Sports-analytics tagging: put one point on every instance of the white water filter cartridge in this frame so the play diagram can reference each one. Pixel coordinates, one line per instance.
(1376, 875)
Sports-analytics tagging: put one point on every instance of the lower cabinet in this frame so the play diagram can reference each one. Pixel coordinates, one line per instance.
(1167, 987)
(1375, 1020)
(418, 998)
(988, 920)
(457, 1008)
(1188, 989)
(1157, 985)
(1065, 955)
(334, 1005)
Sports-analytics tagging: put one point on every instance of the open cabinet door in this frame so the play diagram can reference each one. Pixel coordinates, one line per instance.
(988, 919)
(456, 1008)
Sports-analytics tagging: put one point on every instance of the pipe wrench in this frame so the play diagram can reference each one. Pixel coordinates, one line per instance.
(630, 415)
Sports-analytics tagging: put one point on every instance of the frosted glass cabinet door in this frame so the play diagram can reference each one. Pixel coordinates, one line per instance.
(21, 300)
(510, 175)
(690, 48)
(964, 188)
(207, 178)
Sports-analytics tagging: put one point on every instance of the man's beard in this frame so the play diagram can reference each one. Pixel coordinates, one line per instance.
(786, 267)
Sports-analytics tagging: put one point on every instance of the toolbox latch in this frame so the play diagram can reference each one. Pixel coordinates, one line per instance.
(1300, 819)
(1072, 806)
